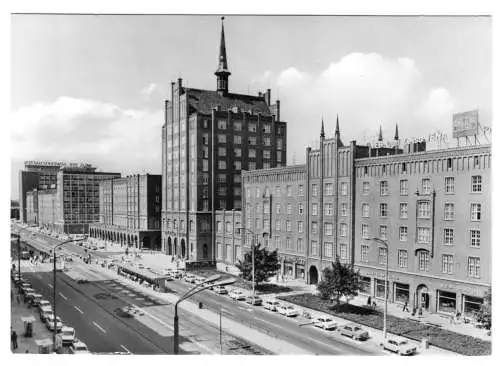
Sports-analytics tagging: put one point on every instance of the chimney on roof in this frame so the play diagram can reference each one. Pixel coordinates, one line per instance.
(267, 97)
(179, 83)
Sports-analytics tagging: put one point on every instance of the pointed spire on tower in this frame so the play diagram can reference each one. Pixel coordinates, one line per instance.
(222, 72)
(380, 134)
(337, 133)
(322, 134)
(396, 134)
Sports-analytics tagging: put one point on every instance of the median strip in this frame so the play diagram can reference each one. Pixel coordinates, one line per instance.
(98, 326)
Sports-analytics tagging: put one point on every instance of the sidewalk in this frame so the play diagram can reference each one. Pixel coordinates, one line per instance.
(21, 310)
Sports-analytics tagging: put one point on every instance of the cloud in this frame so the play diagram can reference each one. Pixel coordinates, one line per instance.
(149, 90)
(367, 90)
(79, 129)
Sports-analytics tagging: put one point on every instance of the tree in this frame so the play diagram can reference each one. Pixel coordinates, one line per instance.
(484, 314)
(339, 280)
(266, 264)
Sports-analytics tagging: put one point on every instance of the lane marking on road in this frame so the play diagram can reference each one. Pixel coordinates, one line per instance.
(78, 309)
(125, 348)
(98, 326)
(50, 286)
(64, 297)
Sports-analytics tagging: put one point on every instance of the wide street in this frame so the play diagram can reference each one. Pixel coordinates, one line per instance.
(102, 297)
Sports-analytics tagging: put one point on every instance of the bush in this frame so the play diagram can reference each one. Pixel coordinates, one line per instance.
(442, 338)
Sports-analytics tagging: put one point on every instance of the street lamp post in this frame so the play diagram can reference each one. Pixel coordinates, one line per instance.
(386, 246)
(188, 294)
(253, 257)
(54, 286)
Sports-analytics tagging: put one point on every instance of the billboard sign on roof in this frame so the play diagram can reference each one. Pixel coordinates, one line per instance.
(465, 124)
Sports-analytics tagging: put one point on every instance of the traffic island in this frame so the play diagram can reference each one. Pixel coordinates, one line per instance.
(412, 329)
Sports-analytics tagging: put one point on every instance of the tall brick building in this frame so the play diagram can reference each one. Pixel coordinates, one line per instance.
(207, 139)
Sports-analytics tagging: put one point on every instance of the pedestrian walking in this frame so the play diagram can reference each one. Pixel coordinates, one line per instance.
(405, 306)
(369, 301)
(13, 338)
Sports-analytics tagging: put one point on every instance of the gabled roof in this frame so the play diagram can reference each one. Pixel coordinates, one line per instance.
(203, 101)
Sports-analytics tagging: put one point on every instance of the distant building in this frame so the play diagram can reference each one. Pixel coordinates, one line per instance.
(14, 210)
(208, 137)
(130, 211)
(32, 207)
(74, 202)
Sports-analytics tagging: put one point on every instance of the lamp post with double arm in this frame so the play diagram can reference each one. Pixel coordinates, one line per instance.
(384, 244)
(198, 288)
(54, 335)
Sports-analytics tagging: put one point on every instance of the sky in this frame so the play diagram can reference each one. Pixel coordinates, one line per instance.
(91, 88)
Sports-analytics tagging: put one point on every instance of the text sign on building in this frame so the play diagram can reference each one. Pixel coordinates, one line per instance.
(465, 124)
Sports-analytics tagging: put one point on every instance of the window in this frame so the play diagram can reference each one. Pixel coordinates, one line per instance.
(301, 190)
(237, 139)
(300, 226)
(314, 227)
(237, 165)
(266, 208)
(447, 301)
(300, 207)
(277, 241)
(252, 153)
(289, 191)
(366, 187)
(476, 161)
(266, 154)
(423, 260)
(314, 190)
(221, 191)
(403, 187)
(474, 267)
(222, 164)
(267, 128)
(222, 124)
(328, 209)
(267, 141)
(365, 210)
(289, 209)
(314, 247)
(252, 127)
(342, 229)
(364, 253)
(314, 209)
(237, 126)
(384, 211)
(279, 143)
(288, 225)
(449, 185)
(343, 209)
(300, 245)
(219, 226)
(221, 178)
(221, 139)
(364, 231)
(384, 188)
(447, 263)
(449, 211)
(382, 255)
(401, 292)
(476, 183)
(278, 225)
(403, 233)
(222, 151)
(288, 243)
(328, 249)
(449, 236)
(403, 210)
(278, 191)
(343, 251)
(252, 165)
(379, 288)
(252, 140)
(475, 238)
(383, 232)
(423, 234)
(328, 189)
(278, 208)
(475, 211)
(402, 258)
(426, 186)
(343, 189)
(424, 210)
(204, 139)
(229, 227)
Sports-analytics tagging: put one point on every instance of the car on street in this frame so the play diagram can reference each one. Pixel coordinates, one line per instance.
(169, 277)
(79, 348)
(354, 331)
(199, 280)
(221, 290)
(271, 305)
(43, 303)
(190, 278)
(35, 299)
(254, 300)
(50, 323)
(236, 295)
(288, 310)
(67, 335)
(399, 345)
(325, 322)
(46, 312)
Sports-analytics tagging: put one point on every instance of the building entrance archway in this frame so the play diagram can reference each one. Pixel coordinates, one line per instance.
(169, 246)
(183, 248)
(423, 297)
(146, 242)
(313, 275)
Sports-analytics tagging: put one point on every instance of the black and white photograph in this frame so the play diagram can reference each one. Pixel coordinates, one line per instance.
(249, 184)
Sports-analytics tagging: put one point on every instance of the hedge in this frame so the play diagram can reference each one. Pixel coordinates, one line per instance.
(442, 338)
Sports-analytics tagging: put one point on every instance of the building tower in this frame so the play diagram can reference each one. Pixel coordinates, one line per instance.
(222, 72)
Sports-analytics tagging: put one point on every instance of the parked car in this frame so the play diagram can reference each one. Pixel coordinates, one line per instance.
(79, 348)
(271, 305)
(198, 280)
(325, 322)
(50, 323)
(354, 331)
(221, 290)
(190, 278)
(399, 345)
(288, 310)
(254, 300)
(67, 335)
(46, 312)
(35, 299)
(236, 295)
(43, 303)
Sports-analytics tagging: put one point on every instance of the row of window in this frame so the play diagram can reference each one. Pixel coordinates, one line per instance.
(426, 186)
(237, 140)
(423, 210)
(328, 209)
